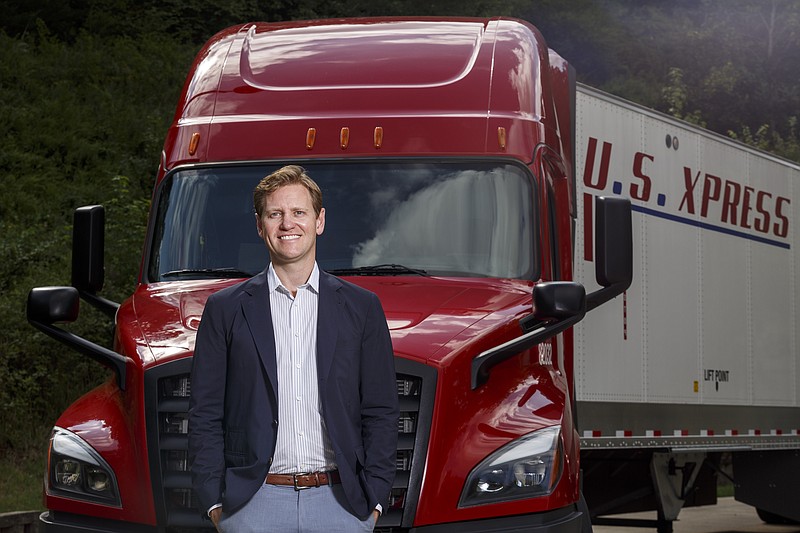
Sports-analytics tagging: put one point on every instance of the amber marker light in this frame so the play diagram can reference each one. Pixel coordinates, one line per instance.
(501, 137)
(193, 142)
(311, 138)
(378, 137)
(344, 137)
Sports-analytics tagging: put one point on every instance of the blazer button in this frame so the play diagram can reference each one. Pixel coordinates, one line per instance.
(274, 423)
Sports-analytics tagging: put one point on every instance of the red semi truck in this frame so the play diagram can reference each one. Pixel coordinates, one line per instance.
(447, 151)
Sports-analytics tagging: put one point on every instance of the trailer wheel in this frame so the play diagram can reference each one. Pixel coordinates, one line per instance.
(586, 524)
(774, 519)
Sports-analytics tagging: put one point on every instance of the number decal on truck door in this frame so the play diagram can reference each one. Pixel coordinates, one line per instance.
(546, 354)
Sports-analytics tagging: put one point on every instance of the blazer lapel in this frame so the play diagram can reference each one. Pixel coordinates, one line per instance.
(259, 319)
(330, 309)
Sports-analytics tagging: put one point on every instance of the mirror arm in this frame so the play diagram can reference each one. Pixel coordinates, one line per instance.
(604, 294)
(104, 356)
(107, 307)
(483, 362)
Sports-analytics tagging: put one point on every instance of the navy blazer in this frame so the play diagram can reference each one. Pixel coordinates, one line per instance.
(233, 413)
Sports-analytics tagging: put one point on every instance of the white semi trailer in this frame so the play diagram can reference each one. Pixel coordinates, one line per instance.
(699, 360)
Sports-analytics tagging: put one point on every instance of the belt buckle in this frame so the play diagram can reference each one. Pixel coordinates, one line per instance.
(294, 479)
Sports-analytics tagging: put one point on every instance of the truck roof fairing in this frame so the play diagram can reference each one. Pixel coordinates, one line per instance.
(366, 87)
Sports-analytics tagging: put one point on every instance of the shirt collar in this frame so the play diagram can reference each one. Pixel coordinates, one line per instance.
(274, 281)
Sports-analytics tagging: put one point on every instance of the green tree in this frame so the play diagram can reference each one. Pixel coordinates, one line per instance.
(82, 124)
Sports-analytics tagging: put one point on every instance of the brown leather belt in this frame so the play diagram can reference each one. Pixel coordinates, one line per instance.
(305, 480)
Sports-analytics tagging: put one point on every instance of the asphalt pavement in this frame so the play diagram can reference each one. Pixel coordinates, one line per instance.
(728, 516)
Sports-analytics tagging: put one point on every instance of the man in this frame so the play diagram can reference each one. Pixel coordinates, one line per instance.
(293, 385)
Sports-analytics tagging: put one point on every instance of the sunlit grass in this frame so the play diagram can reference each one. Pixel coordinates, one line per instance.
(724, 490)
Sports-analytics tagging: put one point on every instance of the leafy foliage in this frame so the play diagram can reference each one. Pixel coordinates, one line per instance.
(730, 66)
(82, 123)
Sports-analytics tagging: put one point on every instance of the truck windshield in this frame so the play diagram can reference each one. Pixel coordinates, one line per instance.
(438, 218)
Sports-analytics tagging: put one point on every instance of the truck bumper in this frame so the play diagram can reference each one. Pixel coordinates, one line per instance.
(566, 520)
(57, 522)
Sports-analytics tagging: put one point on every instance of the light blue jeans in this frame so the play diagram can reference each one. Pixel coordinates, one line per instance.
(281, 509)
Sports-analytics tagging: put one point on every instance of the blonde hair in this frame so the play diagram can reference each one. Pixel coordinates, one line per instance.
(288, 175)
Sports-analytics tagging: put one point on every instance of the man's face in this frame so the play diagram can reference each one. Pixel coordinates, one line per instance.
(289, 226)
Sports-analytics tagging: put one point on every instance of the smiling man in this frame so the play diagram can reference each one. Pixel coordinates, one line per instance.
(293, 385)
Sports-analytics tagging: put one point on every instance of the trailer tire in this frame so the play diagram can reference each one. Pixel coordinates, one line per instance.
(586, 524)
(774, 519)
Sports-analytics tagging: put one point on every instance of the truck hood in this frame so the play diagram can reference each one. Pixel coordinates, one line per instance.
(428, 317)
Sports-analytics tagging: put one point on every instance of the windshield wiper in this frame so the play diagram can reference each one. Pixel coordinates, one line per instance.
(226, 272)
(377, 270)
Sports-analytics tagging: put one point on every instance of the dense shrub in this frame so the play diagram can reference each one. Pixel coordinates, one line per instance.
(82, 123)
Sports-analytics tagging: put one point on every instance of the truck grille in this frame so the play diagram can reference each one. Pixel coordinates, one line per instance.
(167, 392)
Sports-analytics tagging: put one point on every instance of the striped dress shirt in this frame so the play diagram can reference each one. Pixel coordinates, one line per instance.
(303, 444)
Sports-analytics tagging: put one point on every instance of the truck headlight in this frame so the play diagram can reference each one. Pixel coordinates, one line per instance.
(527, 467)
(76, 470)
